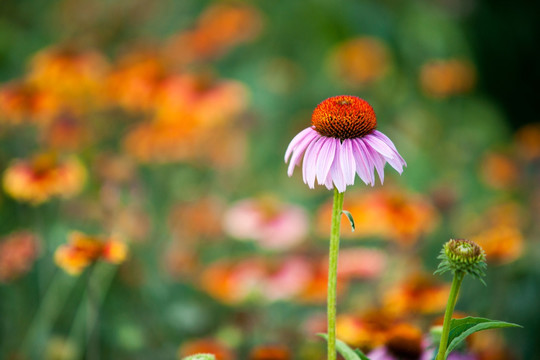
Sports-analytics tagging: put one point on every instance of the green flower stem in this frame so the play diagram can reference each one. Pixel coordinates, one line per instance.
(332, 272)
(452, 299)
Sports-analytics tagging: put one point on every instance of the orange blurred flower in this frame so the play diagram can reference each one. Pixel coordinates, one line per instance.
(199, 101)
(20, 101)
(43, 177)
(134, 81)
(366, 331)
(66, 132)
(18, 252)
(82, 250)
(272, 224)
(418, 293)
(206, 346)
(445, 78)
(499, 232)
(527, 140)
(191, 111)
(197, 219)
(256, 278)
(270, 352)
(388, 213)
(360, 61)
(219, 28)
(76, 76)
(502, 243)
(499, 171)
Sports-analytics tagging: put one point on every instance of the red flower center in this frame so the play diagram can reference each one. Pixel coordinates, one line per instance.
(344, 117)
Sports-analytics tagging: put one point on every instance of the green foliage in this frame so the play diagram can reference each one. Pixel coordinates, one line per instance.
(346, 351)
(461, 328)
(350, 217)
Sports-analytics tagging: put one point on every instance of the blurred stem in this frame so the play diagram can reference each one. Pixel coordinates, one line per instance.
(92, 320)
(452, 299)
(332, 272)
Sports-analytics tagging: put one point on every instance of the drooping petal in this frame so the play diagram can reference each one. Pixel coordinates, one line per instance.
(364, 168)
(326, 156)
(379, 162)
(309, 169)
(336, 175)
(384, 138)
(378, 145)
(300, 149)
(397, 162)
(296, 140)
(348, 165)
(368, 160)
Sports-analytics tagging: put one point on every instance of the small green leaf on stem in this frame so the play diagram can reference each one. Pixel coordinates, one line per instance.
(351, 219)
(461, 328)
(346, 351)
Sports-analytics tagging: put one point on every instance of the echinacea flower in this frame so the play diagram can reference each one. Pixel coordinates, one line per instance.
(342, 141)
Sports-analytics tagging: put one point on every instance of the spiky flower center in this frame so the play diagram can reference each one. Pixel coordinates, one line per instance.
(464, 251)
(344, 117)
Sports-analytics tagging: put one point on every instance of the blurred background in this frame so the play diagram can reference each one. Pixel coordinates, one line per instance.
(146, 212)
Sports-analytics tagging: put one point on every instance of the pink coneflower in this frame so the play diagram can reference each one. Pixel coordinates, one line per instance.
(342, 141)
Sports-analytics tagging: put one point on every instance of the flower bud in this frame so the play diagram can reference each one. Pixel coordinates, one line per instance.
(462, 256)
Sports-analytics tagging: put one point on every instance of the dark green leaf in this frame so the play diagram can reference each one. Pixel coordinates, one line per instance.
(461, 328)
(349, 216)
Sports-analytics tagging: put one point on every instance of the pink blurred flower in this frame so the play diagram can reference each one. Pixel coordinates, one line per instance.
(360, 263)
(342, 142)
(18, 252)
(273, 225)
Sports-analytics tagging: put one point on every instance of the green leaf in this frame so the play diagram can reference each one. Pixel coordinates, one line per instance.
(346, 351)
(349, 216)
(461, 328)
(201, 357)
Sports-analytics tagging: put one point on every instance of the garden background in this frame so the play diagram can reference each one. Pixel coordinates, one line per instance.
(146, 212)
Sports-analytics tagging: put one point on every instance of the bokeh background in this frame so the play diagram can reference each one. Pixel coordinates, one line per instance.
(146, 212)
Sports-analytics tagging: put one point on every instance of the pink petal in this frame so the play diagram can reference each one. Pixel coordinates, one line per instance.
(310, 162)
(336, 175)
(384, 138)
(397, 162)
(299, 150)
(296, 140)
(380, 146)
(363, 166)
(348, 165)
(368, 159)
(326, 156)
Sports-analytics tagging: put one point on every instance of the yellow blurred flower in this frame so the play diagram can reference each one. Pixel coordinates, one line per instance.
(43, 177)
(445, 78)
(360, 61)
(82, 250)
